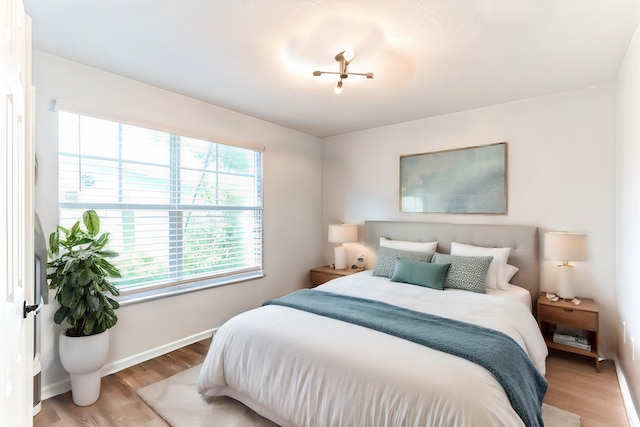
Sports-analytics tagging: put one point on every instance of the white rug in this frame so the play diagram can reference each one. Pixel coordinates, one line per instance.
(176, 400)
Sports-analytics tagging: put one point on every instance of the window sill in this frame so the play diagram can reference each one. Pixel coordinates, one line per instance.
(169, 291)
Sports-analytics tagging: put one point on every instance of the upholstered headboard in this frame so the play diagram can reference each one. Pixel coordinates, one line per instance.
(523, 241)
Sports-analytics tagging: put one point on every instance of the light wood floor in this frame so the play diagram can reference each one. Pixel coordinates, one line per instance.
(573, 386)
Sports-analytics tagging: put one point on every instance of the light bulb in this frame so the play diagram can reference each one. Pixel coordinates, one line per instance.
(338, 88)
(348, 54)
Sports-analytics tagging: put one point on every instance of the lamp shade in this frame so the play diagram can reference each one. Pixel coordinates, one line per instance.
(343, 233)
(565, 247)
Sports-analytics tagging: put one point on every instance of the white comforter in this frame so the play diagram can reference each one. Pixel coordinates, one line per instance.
(300, 369)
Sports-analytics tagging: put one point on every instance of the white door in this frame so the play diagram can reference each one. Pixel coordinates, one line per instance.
(16, 216)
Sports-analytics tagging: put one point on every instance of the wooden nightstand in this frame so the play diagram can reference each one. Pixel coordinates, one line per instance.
(320, 275)
(566, 313)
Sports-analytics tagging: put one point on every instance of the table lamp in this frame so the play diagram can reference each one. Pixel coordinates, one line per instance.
(342, 233)
(565, 247)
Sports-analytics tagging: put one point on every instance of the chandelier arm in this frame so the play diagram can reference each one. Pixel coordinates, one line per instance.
(318, 73)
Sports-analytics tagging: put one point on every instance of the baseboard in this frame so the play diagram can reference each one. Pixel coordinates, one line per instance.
(632, 413)
(118, 365)
(55, 389)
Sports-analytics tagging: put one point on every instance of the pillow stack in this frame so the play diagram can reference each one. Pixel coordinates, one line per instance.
(468, 267)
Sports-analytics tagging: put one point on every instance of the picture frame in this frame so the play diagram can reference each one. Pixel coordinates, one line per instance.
(469, 180)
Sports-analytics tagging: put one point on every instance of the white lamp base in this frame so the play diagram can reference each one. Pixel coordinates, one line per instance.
(564, 282)
(340, 255)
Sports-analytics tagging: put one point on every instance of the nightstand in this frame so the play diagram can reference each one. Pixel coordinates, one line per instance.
(320, 275)
(566, 313)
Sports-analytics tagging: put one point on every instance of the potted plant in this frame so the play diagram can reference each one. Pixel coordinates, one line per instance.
(80, 275)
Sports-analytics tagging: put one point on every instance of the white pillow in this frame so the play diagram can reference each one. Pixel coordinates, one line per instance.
(408, 246)
(510, 271)
(496, 276)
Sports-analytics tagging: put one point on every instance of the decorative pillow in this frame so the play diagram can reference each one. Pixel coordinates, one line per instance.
(496, 277)
(420, 273)
(468, 273)
(386, 262)
(510, 271)
(406, 245)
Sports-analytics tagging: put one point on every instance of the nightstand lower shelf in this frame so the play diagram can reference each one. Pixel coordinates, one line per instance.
(576, 350)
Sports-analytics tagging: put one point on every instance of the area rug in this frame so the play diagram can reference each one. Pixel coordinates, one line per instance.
(176, 400)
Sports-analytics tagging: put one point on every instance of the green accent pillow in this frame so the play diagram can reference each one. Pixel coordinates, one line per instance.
(386, 262)
(466, 272)
(420, 273)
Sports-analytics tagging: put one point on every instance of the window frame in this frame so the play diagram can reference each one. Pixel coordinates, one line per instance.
(142, 293)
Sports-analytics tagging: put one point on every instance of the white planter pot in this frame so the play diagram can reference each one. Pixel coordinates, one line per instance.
(83, 357)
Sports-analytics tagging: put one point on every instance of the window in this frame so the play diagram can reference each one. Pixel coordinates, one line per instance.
(179, 209)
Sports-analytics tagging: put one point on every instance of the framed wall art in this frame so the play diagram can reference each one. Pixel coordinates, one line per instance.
(470, 180)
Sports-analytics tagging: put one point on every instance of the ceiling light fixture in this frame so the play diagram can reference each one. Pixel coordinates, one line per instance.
(344, 59)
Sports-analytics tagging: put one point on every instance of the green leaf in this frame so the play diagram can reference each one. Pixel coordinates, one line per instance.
(111, 269)
(101, 242)
(93, 303)
(60, 315)
(114, 304)
(85, 277)
(74, 230)
(89, 326)
(109, 287)
(108, 254)
(83, 241)
(110, 320)
(66, 297)
(54, 242)
(70, 265)
(91, 222)
(80, 309)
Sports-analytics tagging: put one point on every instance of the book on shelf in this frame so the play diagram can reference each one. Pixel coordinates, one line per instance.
(579, 335)
(572, 337)
(572, 344)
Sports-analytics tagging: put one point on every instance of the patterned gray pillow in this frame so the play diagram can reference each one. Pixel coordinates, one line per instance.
(466, 272)
(386, 261)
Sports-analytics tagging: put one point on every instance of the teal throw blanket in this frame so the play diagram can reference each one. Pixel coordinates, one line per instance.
(500, 354)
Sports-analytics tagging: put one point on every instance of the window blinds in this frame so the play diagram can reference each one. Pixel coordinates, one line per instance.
(178, 208)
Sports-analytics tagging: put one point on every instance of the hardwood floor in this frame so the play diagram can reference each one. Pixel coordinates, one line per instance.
(119, 405)
(573, 386)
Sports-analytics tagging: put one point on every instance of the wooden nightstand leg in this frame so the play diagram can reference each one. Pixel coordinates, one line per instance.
(597, 363)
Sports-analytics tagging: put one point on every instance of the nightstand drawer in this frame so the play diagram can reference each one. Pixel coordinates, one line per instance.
(320, 277)
(323, 274)
(569, 317)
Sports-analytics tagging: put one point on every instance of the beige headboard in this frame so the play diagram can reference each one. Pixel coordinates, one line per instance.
(523, 241)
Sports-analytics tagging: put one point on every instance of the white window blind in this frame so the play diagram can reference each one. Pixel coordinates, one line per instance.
(178, 209)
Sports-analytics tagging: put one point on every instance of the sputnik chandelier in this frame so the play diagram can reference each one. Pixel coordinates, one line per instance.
(344, 58)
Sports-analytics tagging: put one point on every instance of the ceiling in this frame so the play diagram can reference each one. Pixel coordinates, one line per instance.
(429, 57)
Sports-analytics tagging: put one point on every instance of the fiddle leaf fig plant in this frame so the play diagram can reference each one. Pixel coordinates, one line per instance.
(79, 271)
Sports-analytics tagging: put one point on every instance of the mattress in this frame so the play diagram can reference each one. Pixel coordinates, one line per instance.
(301, 369)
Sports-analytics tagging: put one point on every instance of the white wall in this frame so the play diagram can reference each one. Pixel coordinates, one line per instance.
(628, 213)
(561, 176)
(292, 207)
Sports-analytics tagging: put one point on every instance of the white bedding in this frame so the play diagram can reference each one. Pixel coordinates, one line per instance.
(515, 293)
(300, 369)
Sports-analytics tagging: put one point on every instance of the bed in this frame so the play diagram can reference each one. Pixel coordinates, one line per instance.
(300, 367)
